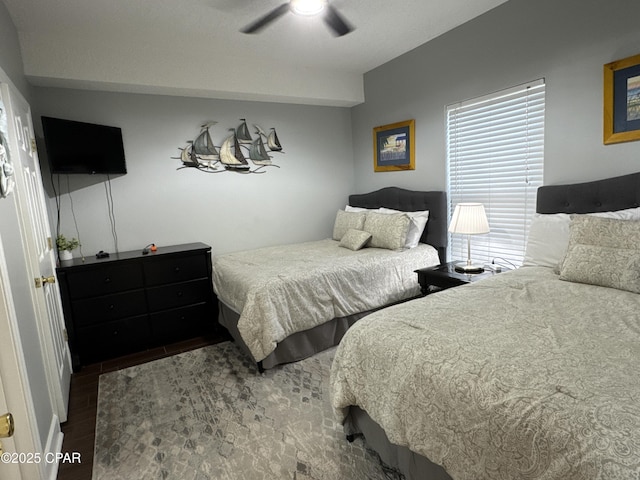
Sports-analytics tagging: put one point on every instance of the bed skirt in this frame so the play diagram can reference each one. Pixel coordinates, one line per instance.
(410, 464)
(295, 347)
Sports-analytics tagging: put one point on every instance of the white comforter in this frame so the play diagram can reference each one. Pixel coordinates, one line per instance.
(521, 376)
(290, 288)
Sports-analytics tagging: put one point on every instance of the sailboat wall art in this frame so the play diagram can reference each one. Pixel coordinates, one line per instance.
(239, 152)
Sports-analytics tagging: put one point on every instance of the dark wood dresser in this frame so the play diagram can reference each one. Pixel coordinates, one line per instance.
(129, 302)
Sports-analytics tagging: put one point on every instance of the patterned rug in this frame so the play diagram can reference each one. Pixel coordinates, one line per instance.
(208, 414)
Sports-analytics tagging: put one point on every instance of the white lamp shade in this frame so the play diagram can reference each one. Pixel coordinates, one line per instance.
(469, 219)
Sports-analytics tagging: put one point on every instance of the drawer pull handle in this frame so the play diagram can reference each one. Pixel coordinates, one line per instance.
(179, 294)
(111, 307)
(107, 280)
(177, 269)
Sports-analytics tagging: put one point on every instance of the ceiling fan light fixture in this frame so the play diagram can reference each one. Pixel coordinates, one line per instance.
(308, 7)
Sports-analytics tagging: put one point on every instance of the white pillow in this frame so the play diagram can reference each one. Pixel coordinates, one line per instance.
(416, 227)
(548, 240)
(349, 208)
(628, 214)
(549, 235)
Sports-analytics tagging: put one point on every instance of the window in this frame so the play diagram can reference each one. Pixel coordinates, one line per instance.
(495, 155)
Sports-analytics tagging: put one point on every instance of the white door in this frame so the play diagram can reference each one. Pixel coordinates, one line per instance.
(15, 397)
(38, 245)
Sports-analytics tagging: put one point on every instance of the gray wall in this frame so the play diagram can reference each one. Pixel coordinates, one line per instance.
(565, 41)
(156, 202)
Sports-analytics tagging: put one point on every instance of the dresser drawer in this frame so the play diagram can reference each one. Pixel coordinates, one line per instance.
(180, 323)
(175, 269)
(109, 278)
(179, 294)
(111, 339)
(109, 307)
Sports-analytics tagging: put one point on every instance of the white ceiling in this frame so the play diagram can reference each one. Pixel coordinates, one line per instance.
(194, 47)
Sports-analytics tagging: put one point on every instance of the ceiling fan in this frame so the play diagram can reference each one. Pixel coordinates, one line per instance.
(331, 17)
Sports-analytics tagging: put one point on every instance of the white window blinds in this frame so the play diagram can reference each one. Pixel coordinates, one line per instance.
(495, 155)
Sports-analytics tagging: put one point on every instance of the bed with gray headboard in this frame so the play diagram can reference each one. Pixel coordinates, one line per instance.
(283, 303)
(532, 373)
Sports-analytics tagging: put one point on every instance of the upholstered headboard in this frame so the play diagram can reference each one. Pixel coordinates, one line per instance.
(610, 194)
(435, 234)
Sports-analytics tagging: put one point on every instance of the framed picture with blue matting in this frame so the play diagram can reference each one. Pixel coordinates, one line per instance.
(622, 100)
(394, 147)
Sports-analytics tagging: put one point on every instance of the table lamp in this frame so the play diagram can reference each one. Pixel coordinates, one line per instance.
(469, 219)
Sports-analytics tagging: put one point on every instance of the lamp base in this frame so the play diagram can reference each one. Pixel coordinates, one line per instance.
(468, 268)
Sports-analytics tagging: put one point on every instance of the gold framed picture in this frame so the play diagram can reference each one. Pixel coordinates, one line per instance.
(622, 100)
(394, 147)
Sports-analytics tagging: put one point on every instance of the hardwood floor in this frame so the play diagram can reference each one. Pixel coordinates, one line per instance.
(79, 429)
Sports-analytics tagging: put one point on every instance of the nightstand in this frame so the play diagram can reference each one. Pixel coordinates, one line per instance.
(444, 276)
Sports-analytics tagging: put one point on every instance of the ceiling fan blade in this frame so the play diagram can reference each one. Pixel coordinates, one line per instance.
(267, 19)
(338, 24)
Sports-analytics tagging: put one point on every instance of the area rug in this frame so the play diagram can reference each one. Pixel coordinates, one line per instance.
(208, 414)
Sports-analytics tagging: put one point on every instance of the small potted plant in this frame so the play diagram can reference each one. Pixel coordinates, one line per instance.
(65, 246)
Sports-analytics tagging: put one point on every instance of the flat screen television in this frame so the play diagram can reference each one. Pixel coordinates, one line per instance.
(78, 147)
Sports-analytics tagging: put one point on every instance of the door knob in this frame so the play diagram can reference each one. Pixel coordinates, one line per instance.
(42, 280)
(6, 425)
